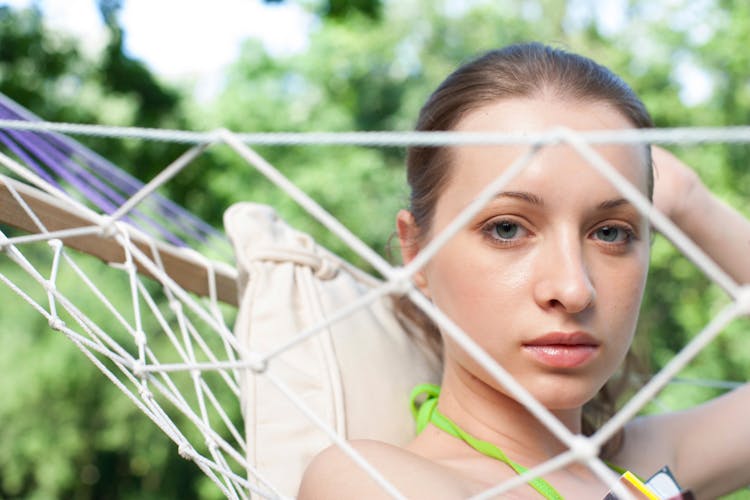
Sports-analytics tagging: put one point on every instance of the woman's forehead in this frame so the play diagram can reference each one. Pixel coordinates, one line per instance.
(554, 172)
(535, 114)
(558, 166)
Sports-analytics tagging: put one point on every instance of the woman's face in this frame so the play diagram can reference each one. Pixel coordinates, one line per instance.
(548, 277)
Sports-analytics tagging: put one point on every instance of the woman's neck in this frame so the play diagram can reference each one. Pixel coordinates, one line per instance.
(493, 416)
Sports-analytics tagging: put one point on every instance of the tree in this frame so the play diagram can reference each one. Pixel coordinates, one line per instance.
(369, 66)
(341, 9)
(66, 432)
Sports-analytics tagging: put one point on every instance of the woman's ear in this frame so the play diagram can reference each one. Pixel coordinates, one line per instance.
(409, 238)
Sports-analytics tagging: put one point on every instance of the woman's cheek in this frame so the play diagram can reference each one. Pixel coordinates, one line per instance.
(481, 293)
(619, 300)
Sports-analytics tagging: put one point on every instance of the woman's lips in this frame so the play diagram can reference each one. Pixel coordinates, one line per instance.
(563, 350)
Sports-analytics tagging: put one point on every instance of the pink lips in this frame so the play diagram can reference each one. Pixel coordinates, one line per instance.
(563, 350)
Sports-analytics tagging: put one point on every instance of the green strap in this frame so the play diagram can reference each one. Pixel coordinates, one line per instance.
(620, 470)
(428, 413)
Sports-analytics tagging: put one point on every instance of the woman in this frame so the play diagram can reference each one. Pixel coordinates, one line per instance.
(547, 278)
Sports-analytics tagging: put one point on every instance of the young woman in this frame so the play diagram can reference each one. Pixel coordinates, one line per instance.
(548, 279)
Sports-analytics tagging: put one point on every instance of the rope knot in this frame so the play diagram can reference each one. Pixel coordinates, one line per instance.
(56, 324)
(145, 394)
(584, 448)
(185, 450)
(107, 227)
(175, 306)
(257, 363)
(326, 270)
(323, 268)
(140, 337)
(400, 282)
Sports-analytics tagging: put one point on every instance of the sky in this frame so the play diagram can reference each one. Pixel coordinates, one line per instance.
(194, 40)
(184, 40)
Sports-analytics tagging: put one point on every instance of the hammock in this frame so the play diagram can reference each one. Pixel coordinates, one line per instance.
(292, 366)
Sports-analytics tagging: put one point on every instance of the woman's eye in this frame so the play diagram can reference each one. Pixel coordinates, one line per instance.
(613, 234)
(505, 230)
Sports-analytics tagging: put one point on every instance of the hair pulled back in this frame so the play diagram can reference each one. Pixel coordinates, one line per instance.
(518, 71)
(526, 70)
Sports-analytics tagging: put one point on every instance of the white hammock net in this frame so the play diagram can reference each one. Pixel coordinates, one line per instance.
(166, 340)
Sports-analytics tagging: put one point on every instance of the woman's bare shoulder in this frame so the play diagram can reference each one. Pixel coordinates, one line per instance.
(334, 474)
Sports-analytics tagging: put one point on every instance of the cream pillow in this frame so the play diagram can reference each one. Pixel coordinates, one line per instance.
(356, 374)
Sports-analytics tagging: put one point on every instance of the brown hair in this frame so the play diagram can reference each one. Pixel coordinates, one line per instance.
(522, 70)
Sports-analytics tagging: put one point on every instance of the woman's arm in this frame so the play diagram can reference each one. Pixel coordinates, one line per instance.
(722, 232)
(707, 446)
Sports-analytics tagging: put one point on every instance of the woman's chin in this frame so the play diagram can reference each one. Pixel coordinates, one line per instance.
(564, 395)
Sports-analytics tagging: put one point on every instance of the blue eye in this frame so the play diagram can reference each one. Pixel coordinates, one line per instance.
(505, 230)
(613, 234)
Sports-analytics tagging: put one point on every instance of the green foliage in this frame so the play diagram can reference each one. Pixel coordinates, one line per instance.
(67, 432)
(369, 66)
(36, 67)
(342, 9)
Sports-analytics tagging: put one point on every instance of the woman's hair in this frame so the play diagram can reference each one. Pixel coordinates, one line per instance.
(525, 70)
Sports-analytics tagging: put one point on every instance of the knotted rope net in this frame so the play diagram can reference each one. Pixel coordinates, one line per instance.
(163, 335)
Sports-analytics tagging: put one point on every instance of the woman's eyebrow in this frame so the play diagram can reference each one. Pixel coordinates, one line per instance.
(522, 195)
(536, 200)
(614, 203)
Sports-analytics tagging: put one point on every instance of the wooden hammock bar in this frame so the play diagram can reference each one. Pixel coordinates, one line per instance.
(55, 214)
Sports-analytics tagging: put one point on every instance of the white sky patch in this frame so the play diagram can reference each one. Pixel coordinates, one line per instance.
(610, 16)
(195, 40)
(696, 85)
(184, 40)
(78, 17)
(192, 37)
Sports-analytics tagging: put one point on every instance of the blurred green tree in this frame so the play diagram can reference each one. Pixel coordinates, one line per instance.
(369, 66)
(66, 433)
(340, 9)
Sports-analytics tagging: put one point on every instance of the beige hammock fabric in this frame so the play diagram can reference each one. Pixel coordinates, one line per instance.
(355, 374)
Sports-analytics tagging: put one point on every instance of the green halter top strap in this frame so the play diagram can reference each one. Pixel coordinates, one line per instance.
(428, 413)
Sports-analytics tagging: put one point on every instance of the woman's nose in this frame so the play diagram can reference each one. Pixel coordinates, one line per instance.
(563, 279)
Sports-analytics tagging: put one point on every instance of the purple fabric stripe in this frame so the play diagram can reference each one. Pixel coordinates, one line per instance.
(98, 165)
(105, 196)
(63, 166)
(52, 161)
(100, 181)
(25, 158)
(119, 194)
(177, 216)
(101, 195)
(93, 188)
